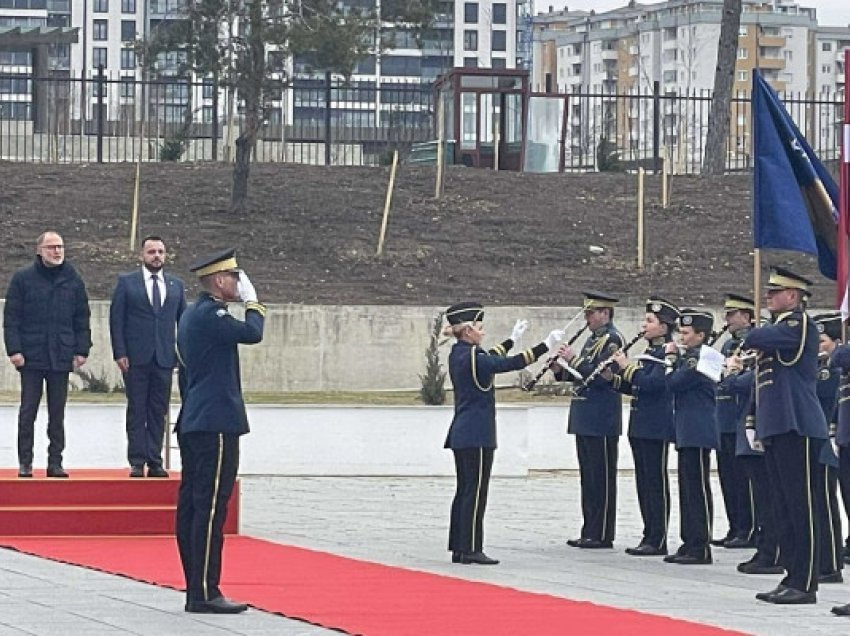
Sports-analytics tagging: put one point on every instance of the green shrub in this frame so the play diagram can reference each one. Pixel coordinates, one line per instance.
(433, 381)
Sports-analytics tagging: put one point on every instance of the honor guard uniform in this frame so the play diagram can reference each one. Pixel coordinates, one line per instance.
(472, 434)
(596, 420)
(791, 425)
(841, 360)
(651, 425)
(696, 435)
(829, 377)
(731, 409)
(212, 419)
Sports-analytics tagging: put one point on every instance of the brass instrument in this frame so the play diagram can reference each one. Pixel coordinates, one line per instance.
(604, 364)
(553, 358)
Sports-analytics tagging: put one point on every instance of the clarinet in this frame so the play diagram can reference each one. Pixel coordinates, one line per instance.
(607, 362)
(717, 335)
(533, 382)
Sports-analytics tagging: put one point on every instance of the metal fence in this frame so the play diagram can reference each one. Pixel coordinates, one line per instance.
(120, 118)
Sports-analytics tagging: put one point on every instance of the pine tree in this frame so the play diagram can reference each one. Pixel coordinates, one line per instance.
(433, 389)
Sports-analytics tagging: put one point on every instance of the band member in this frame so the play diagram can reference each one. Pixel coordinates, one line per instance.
(651, 426)
(596, 419)
(734, 485)
(791, 425)
(472, 434)
(696, 434)
(841, 359)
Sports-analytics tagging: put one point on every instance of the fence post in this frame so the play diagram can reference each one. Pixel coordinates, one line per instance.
(327, 118)
(215, 118)
(656, 126)
(101, 85)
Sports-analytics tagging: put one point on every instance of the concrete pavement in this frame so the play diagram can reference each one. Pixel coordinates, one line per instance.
(403, 521)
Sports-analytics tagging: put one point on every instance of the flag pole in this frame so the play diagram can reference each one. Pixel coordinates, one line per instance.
(844, 205)
(757, 285)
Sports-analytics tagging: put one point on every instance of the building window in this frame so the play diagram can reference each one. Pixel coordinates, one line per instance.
(128, 87)
(742, 32)
(100, 6)
(826, 46)
(99, 57)
(788, 55)
(128, 59)
(742, 54)
(128, 30)
(128, 6)
(100, 30)
(742, 76)
(499, 41)
(208, 89)
(826, 68)
(470, 62)
(499, 62)
(500, 13)
(470, 40)
(470, 12)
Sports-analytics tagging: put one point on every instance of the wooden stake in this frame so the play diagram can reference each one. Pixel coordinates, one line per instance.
(640, 219)
(387, 204)
(134, 215)
(441, 114)
(665, 166)
(496, 144)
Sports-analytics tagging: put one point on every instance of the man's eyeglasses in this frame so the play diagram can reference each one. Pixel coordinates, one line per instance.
(53, 247)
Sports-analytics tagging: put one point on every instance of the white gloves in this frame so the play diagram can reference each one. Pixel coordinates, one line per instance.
(754, 443)
(245, 288)
(554, 338)
(834, 445)
(519, 329)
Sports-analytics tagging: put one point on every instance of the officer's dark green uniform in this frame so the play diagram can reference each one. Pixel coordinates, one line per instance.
(596, 419)
(792, 427)
(651, 429)
(731, 406)
(212, 418)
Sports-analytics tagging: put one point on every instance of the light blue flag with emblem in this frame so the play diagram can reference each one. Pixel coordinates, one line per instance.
(794, 197)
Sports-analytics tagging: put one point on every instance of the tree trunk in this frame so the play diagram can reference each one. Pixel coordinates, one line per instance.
(714, 161)
(242, 167)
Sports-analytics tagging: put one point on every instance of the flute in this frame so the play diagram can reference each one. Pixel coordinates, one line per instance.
(533, 382)
(600, 368)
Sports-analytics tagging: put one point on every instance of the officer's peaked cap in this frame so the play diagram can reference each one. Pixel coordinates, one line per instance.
(467, 311)
(223, 261)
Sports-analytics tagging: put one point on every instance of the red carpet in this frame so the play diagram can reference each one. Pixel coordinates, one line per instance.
(359, 597)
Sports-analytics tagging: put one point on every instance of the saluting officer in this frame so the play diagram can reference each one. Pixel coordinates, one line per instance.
(472, 434)
(696, 435)
(734, 485)
(596, 419)
(212, 419)
(792, 427)
(651, 425)
(831, 557)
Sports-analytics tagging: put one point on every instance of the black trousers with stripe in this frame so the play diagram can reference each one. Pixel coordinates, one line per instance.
(831, 553)
(210, 462)
(735, 489)
(795, 476)
(767, 526)
(597, 464)
(696, 507)
(653, 489)
(466, 528)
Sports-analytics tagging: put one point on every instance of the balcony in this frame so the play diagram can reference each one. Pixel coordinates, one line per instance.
(771, 63)
(772, 40)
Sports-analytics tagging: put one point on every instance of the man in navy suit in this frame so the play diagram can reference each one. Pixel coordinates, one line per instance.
(146, 306)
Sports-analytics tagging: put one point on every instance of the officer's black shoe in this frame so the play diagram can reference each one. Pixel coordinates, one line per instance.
(846, 554)
(157, 471)
(790, 596)
(644, 549)
(218, 605)
(754, 567)
(841, 610)
(478, 558)
(137, 471)
(831, 577)
(690, 559)
(738, 543)
(56, 471)
(720, 542)
(763, 596)
(25, 470)
(456, 557)
(590, 544)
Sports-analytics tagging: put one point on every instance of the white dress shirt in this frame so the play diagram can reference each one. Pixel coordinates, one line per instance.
(149, 284)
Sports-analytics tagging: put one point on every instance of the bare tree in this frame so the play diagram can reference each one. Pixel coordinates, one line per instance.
(714, 161)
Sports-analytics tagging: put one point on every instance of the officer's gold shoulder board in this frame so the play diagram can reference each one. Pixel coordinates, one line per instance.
(692, 363)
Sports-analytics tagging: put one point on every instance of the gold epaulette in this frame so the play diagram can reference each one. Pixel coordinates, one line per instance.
(258, 307)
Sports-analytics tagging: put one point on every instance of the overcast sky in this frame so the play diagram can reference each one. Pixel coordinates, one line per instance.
(830, 12)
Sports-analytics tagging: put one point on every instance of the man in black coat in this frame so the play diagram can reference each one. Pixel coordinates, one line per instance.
(146, 305)
(46, 332)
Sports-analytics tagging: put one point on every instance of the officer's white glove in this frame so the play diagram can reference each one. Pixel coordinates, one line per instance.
(835, 446)
(245, 289)
(754, 442)
(519, 329)
(554, 338)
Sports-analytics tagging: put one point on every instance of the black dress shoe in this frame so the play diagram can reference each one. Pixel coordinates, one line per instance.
(790, 596)
(590, 544)
(690, 559)
(738, 543)
(754, 567)
(763, 596)
(478, 558)
(56, 471)
(137, 471)
(219, 605)
(25, 471)
(157, 471)
(456, 557)
(832, 577)
(574, 542)
(644, 549)
(841, 610)
(720, 542)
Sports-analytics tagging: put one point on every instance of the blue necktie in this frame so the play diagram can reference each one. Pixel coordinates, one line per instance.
(156, 298)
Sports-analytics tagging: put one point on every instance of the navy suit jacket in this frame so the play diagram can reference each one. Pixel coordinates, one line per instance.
(138, 332)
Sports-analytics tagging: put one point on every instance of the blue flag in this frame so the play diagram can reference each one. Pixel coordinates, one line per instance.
(794, 197)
